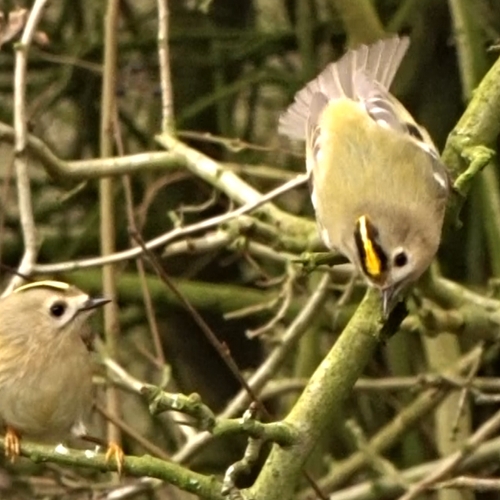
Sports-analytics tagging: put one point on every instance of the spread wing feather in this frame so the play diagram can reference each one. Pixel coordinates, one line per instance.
(378, 62)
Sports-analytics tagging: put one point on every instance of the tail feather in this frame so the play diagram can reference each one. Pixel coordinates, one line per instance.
(379, 62)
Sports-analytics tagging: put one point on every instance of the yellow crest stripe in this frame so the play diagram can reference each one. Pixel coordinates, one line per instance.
(372, 260)
(59, 285)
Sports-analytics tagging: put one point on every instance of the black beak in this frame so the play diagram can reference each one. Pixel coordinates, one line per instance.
(387, 300)
(93, 303)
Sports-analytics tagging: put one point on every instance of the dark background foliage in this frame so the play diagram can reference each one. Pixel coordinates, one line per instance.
(234, 67)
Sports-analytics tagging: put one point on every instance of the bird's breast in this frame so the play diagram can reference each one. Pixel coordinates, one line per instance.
(45, 396)
(362, 168)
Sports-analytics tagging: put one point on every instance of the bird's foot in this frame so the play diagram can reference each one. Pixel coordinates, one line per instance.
(116, 453)
(12, 444)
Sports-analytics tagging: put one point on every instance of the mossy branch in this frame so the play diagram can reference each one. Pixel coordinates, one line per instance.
(320, 403)
(204, 486)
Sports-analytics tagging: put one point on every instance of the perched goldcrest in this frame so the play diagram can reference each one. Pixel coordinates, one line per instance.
(45, 363)
(378, 186)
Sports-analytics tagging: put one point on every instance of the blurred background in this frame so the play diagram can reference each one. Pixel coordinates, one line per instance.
(235, 65)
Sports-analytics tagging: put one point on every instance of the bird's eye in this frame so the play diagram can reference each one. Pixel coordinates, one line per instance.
(413, 131)
(58, 309)
(400, 259)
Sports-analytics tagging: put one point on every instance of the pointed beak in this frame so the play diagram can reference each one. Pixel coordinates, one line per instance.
(93, 303)
(387, 300)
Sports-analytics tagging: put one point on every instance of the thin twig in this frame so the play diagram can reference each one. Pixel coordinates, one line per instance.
(450, 463)
(232, 144)
(470, 483)
(178, 432)
(150, 447)
(388, 487)
(129, 209)
(221, 349)
(106, 202)
(267, 369)
(164, 239)
(21, 159)
(122, 375)
(167, 122)
(210, 335)
(465, 391)
(376, 461)
(5, 194)
(286, 296)
(399, 384)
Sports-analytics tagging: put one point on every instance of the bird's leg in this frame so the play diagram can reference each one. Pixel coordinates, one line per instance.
(12, 443)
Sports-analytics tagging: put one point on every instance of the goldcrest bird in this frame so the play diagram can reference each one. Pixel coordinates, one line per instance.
(45, 363)
(378, 186)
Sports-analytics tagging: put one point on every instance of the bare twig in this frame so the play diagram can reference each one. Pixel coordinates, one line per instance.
(244, 465)
(400, 384)
(286, 296)
(122, 375)
(96, 168)
(466, 389)
(389, 487)
(268, 368)
(380, 464)
(210, 335)
(106, 202)
(129, 208)
(232, 144)
(233, 186)
(171, 235)
(470, 483)
(167, 123)
(150, 447)
(21, 158)
(450, 463)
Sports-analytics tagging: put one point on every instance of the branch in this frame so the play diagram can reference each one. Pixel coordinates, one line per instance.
(465, 151)
(167, 122)
(206, 487)
(268, 368)
(389, 487)
(82, 170)
(320, 403)
(192, 405)
(107, 228)
(392, 432)
(176, 233)
(21, 158)
(239, 191)
(452, 461)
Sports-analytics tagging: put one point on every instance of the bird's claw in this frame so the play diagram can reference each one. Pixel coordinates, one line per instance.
(115, 452)
(12, 444)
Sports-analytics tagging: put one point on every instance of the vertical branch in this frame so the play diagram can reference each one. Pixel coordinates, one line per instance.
(361, 21)
(489, 203)
(5, 194)
(469, 40)
(167, 101)
(305, 38)
(20, 140)
(177, 431)
(219, 81)
(107, 229)
(141, 271)
(445, 349)
(322, 400)
(473, 65)
(167, 127)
